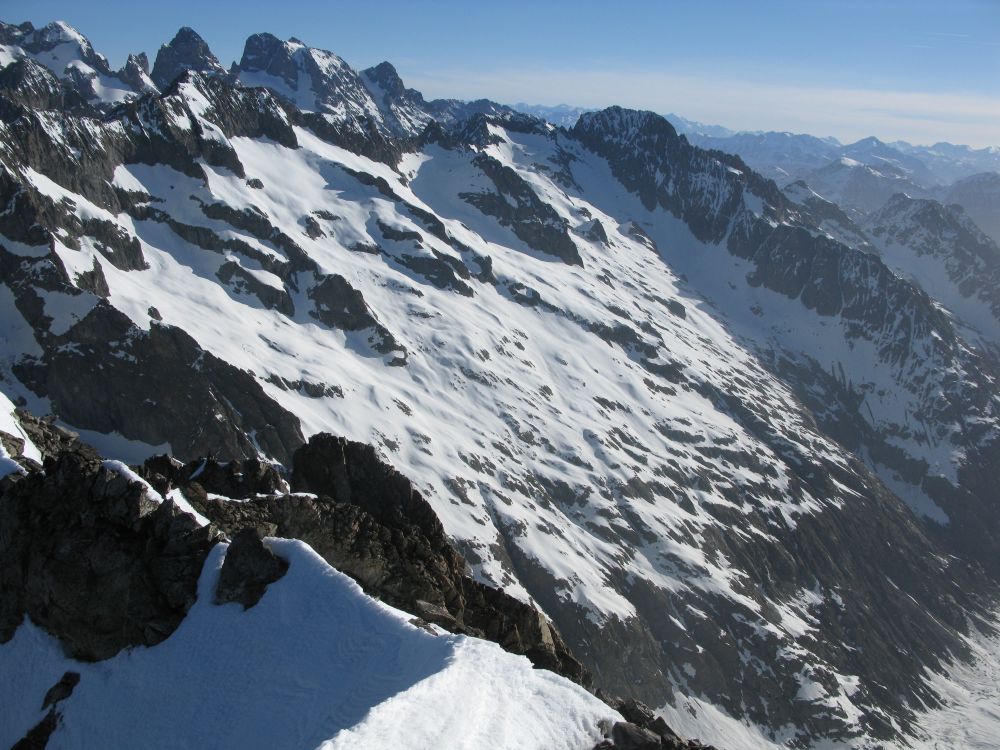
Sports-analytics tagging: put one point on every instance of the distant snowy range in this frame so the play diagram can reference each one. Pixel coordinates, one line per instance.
(336, 417)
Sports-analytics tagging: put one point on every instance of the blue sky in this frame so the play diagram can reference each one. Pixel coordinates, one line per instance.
(913, 69)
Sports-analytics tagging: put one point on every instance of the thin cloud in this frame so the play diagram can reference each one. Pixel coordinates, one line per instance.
(846, 113)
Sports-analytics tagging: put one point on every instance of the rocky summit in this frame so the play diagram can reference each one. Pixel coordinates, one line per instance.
(579, 435)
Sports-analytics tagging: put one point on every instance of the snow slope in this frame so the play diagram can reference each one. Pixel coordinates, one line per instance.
(315, 664)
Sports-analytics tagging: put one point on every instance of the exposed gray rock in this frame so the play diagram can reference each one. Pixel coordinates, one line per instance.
(236, 478)
(241, 281)
(515, 205)
(643, 730)
(37, 737)
(369, 522)
(248, 569)
(340, 305)
(90, 556)
(186, 51)
(94, 385)
(33, 86)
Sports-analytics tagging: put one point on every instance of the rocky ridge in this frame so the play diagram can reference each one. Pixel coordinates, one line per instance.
(106, 559)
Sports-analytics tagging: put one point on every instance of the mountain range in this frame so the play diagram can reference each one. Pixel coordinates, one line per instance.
(859, 177)
(680, 432)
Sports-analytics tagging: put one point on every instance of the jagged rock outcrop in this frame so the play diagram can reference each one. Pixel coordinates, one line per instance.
(248, 569)
(37, 737)
(33, 86)
(212, 405)
(91, 556)
(643, 730)
(186, 51)
(339, 305)
(367, 520)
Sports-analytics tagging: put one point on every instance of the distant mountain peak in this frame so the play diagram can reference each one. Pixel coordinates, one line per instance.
(186, 51)
(386, 76)
(59, 31)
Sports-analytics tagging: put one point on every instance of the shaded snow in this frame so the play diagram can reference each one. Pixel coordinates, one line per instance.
(314, 664)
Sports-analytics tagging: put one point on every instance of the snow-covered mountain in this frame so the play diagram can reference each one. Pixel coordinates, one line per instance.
(947, 255)
(688, 127)
(861, 188)
(743, 462)
(952, 163)
(71, 58)
(785, 156)
(882, 156)
(780, 156)
(826, 216)
(979, 196)
(315, 80)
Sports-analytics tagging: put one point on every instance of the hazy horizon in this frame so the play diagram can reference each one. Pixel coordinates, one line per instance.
(846, 69)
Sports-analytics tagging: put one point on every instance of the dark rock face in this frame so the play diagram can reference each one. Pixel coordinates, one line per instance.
(323, 85)
(241, 281)
(643, 730)
(268, 54)
(62, 689)
(385, 75)
(254, 221)
(516, 205)
(247, 570)
(704, 188)
(49, 439)
(135, 71)
(370, 523)
(237, 478)
(238, 111)
(340, 305)
(186, 51)
(94, 387)
(37, 737)
(92, 558)
(33, 86)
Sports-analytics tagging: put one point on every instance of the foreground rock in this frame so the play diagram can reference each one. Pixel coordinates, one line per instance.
(92, 556)
(643, 730)
(368, 521)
